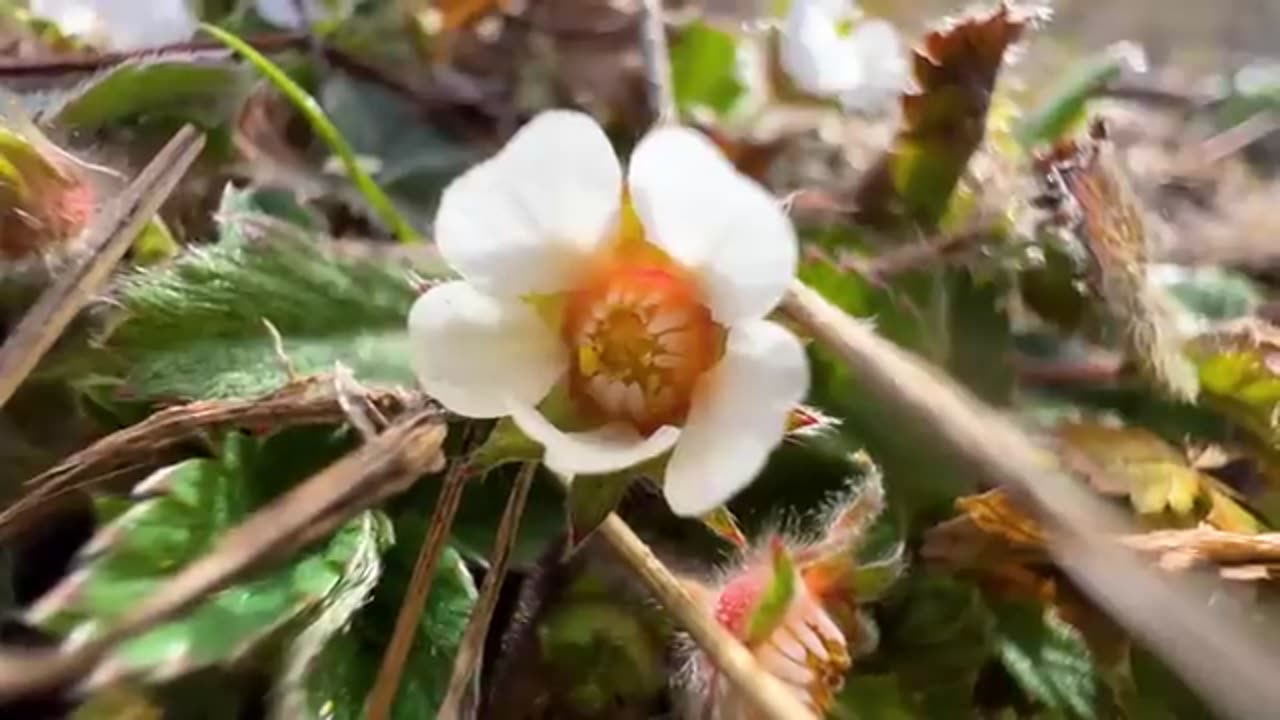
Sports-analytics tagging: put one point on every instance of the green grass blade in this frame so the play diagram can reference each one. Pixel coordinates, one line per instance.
(325, 128)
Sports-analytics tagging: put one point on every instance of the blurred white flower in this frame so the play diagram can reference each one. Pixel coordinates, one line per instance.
(865, 69)
(120, 24)
(284, 13)
(644, 299)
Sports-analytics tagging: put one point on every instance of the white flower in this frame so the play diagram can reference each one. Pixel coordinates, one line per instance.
(643, 299)
(284, 13)
(865, 69)
(120, 24)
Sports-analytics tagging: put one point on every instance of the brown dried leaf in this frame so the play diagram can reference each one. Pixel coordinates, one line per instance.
(944, 120)
(1086, 184)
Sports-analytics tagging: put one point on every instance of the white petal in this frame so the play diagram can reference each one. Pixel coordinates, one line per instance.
(474, 353)
(717, 222)
(883, 58)
(813, 54)
(738, 416)
(606, 449)
(523, 221)
(121, 24)
(284, 13)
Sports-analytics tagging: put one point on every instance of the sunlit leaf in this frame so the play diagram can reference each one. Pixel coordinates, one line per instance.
(704, 69)
(944, 120)
(1158, 480)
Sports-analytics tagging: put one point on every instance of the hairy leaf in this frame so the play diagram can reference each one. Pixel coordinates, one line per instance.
(183, 511)
(1048, 658)
(197, 328)
(339, 680)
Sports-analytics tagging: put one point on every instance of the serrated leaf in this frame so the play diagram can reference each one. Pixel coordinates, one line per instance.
(195, 328)
(1048, 658)
(944, 120)
(338, 683)
(1238, 364)
(1161, 484)
(198, 88)
(190, 505)
(704, 69)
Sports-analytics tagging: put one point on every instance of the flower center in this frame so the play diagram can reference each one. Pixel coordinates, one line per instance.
(640, 338)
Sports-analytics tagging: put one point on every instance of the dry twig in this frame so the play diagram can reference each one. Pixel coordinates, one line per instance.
(657, 63)
(1183, 549)
(307, 402)
(387, 683)
(109, 236)
(464, 665)
(1215, 650)
(387, 465)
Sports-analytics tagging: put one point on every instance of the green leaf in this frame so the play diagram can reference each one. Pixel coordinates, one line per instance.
(704, 69)
(771, 607)
(202, 89)
(1213, 293)
(1237, 365)
(191, 505)
(937, 635)
(873, 697)
(195, 328)
(339, 680)
(505, 444)
(943, 122)
(590, 501)
(1065, 103)
(1048, 658)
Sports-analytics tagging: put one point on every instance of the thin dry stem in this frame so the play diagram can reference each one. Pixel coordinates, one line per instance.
(109, 236)
(309, 401)
(464, 665)
(763, 691)
(1217, 651)
(346, 488)
(1183, 549)
(657, 63)
(383, 694)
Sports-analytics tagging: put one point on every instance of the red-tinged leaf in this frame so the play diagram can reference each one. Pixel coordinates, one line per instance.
(943, 121)
(1087, 187)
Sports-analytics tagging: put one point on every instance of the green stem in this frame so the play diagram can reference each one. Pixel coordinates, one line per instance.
(327, 131)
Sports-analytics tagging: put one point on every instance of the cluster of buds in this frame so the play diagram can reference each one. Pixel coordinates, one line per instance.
(799, 607)
(47, 196)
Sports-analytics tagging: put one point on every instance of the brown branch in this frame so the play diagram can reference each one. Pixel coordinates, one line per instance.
(657, 63)
(310, 401)
(765, 692)
(387, 683)
(389, 464)
(109, 236)
(1219, 652)
(464, 665)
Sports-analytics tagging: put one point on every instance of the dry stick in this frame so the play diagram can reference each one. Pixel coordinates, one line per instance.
(1217, 652)
(464, 665)
(140, 444)
(765, 692)
(109, 236)
(360, 479)
(657, 63)
(383, 694)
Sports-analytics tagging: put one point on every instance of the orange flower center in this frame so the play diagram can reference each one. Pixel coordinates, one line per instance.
(639, 338)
